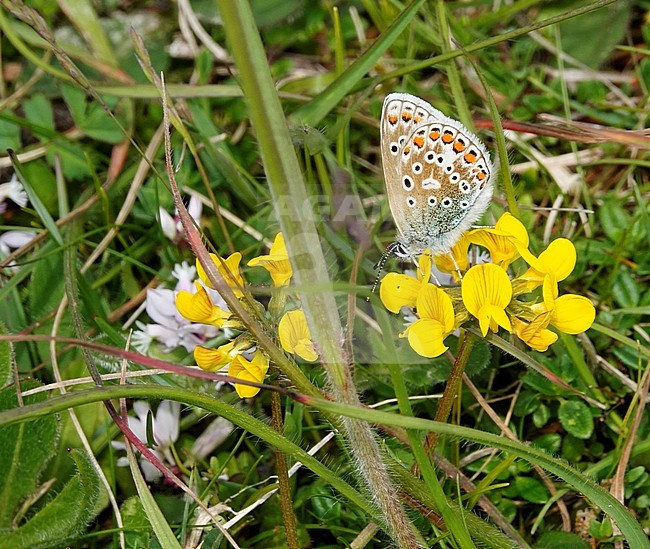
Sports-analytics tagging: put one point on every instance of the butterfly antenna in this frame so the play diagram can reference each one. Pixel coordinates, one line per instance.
(379, 267)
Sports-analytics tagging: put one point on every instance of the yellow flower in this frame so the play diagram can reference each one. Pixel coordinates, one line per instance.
(276, 263)
(535, 334)
(457, 254)
(198, 307)
(248, 370)
(557, 261)
(295, 337)
(214, 359)
(436, 322)
(504, 241)
(400, 290)
(486, 292)
(570, 313)
(229, 271)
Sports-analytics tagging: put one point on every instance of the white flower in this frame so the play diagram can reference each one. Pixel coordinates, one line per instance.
(172, 227)
(12, 240)
(165, 433)
(13, 190)
(170, 328)
(185, 274)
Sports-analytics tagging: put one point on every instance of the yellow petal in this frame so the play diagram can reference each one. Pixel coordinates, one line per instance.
(398, 290)
(305, 350)
(503, 241)
(294, 335)
(426, 337)
(535, 334)
(509, 225)
(559, 258)
(276, 262)
(229, 269)
(198, 307)
(486, 291)
(573, 314)
(456, 259)
(211, 359)
(253, 370)
(433, 303)
(424, 267)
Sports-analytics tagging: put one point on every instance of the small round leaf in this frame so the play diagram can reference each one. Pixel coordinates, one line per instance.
(576, 418)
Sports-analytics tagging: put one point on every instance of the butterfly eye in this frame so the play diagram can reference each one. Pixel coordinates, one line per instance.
(394, 148)
(432, 201)
(430, 157)
(446, 203)
(407, 183)
(417, 167)
(410, 201)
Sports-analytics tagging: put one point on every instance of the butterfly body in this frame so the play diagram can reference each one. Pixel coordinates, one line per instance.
(439, 176)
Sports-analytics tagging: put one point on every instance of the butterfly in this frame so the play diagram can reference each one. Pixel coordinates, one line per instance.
(439, 176)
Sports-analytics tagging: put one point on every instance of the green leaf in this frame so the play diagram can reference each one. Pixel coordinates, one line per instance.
(9, 136)
(531, 490)
(625, 290)
(25, 450)
(613, 219)
(583, 37)
(38, 110)
(541, 416)
(66, 516)
(551, 442)
(576, 418)
(155, 516)
(137, 528)
(36, 201)
(561, 540)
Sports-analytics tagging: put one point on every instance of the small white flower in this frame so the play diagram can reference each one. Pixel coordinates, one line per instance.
(13, 190)
(169, 328)
(185, 274)
(165, 426)
(172, 227)
(12, 240)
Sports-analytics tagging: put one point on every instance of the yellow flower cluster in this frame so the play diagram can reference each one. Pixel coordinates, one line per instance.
(198, 307)
(488, 294)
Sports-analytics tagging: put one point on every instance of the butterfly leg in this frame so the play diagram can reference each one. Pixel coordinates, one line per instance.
(453, 260)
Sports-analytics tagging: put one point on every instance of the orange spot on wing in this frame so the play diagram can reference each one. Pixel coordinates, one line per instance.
(435, 134)
(416, 119)
(407, 150)
(419, 141)
(392, 119)
(459, 147)
(447, 137)
(470, 157)
(406, 116)
(481, 176)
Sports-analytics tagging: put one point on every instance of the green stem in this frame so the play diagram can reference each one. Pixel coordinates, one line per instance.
(313, 286)
(281, 469)
(451, 389)
(452, 70)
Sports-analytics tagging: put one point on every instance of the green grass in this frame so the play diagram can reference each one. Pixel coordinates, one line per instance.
(282, 134)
